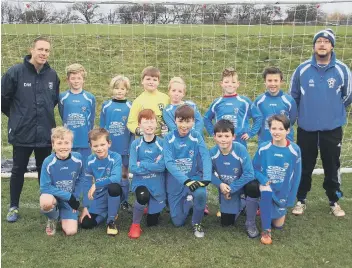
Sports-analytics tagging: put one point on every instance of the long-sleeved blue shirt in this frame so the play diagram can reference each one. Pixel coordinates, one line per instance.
(185, 158)
(148, 167)
(113, 117)
(103, 172)
(321, 94)
(169, 117)
(77, 112)
(239, 110)
(234, 169)
(61, 178)
(270, 105)
(282, 167)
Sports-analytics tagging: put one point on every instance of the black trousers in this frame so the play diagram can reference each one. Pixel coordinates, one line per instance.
(329, 144)
(21, 157)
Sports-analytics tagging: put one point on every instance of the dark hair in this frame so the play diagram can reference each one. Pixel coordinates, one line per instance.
(281, 118)
(229, 71)
(98, 132)
(224, 125)
(146, 114)
(184, 112)
(272, 70)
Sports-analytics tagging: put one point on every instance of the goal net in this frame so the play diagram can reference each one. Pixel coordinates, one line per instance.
(192, 39)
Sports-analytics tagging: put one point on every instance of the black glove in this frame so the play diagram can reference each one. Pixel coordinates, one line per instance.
(74, 204)
(192, 185)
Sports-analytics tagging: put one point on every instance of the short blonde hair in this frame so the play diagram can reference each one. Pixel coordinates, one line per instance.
(119, 80)
(229, 71)
(74, 69)
(178, 80)
(59, 133)
(151, 71)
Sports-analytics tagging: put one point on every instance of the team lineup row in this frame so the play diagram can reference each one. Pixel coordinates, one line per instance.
(316, 84)
(189, 167)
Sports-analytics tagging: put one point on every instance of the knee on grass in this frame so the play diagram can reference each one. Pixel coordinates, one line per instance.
(69, 227)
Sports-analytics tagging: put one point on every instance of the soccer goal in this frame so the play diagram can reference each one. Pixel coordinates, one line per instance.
(192, 39)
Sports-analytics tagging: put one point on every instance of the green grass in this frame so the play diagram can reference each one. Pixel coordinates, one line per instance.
(198, 53)
(315, 239)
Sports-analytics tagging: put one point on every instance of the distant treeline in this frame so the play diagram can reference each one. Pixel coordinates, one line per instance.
(246, 14)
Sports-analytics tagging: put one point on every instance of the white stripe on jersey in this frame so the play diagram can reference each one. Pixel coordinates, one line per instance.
(172, 139)
(285, 100)
(74, 159)
(193, 138)
(237, 157)
(292, 150)
(266, 147)
(170, 108)
(304, 69)
(106, 106)
(64, 98)
(262, 99)
(247, 106)
(87, 98)
(140, 144)
(216, 155)
(111, 159)
(302, 91)
(50, 164)
(157, 144)
(213, 108)
(349, 78)
(92, 161)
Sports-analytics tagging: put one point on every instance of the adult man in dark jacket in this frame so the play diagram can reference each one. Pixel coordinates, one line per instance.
(29, 93)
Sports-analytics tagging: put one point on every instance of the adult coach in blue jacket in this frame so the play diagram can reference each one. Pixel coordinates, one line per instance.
(322, 89)
(29, 93)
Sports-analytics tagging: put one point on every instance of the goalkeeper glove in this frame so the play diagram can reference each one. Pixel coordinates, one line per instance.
(192, 185)
(74, 204)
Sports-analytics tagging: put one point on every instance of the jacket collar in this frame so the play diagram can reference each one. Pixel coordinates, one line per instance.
(29, 65)
(331, 63)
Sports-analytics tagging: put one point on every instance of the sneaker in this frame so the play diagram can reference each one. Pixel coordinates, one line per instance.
(112, 228)
(135, 231)
(252, 231)
(266, 237)
(337, 211)
(198, 230)
(218, 214)
(12, 215)
(51, 227)
(299, 208)
(125, 206)
(206, 210)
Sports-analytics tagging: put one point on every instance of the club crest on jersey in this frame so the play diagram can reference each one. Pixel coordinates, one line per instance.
(235, 110)
(311, 82)
(124, 118)
(51, 85)
(107, 171)
(331, 82)
(235, 170)
(191, 153)
(282, 112)
(84, 108)
(73, 174)
(161, 106)
(286, 165)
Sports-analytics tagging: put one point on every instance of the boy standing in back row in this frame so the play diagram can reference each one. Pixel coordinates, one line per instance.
(151, 98)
